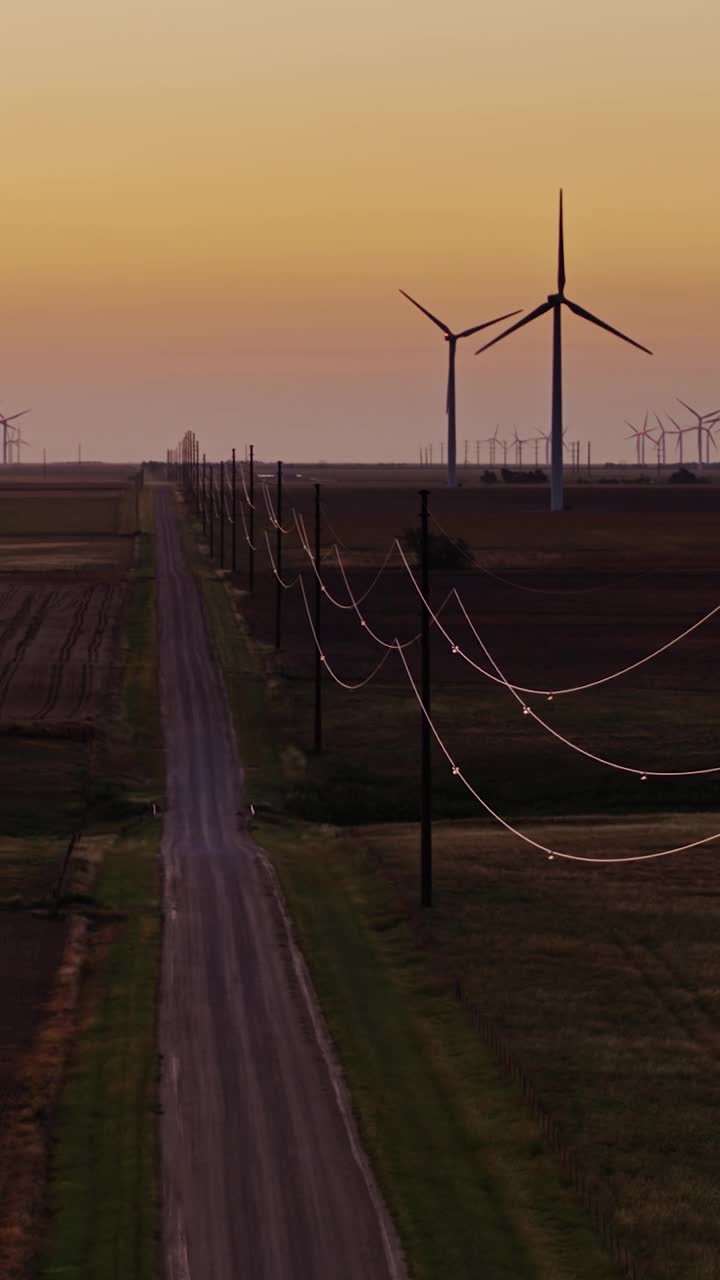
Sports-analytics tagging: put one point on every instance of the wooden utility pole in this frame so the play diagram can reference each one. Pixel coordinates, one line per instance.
(317, 737)
(425, 743)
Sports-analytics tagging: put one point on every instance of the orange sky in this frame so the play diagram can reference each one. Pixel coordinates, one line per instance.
(207, 214)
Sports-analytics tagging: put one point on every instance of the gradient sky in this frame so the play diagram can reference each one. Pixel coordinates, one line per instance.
(208, 210)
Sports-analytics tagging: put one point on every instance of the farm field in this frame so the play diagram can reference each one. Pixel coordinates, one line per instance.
(590, 614)
(599, 982)
(65, 557)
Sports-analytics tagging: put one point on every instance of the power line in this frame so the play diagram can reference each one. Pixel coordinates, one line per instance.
(521, 835)
(551, 693)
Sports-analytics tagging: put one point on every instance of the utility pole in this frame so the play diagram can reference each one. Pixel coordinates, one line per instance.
(466, 453)
(203, 504)
(251, 521)
(211, 512)
(222, 514)
(425, 744)
(234, 517)
(317, 737)
(278, 557)
(477, 452)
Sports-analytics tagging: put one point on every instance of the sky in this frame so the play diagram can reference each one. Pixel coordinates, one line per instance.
(208, 210)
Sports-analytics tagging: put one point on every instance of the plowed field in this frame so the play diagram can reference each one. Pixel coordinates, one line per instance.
(56, 648)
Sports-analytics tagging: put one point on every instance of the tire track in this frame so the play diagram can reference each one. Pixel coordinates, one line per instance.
(33, 627)
(57, 669)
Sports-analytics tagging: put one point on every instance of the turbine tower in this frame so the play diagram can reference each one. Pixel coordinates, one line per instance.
(555, 303)
(452, 341)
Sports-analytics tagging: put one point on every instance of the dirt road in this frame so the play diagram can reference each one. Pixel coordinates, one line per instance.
(262, 1175)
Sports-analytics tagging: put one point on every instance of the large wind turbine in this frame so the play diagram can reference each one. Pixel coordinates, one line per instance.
(8, 439)
(555, 303)
(452, 341)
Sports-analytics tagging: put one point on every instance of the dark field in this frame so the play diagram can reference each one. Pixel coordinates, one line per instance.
(65, 555)
(577, 597)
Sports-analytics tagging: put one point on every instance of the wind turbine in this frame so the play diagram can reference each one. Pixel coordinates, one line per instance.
(555, 303)
(545, 435)
(679, 432)
(493, 441)
(519, 446)
(452, 340)
(8, 440)
(16, 442)
(701, 417)
(640, 438)
(660, 443)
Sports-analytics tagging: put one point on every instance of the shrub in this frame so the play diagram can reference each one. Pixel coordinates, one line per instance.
(443, 552)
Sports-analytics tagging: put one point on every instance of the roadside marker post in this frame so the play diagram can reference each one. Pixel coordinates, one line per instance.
(425, 744)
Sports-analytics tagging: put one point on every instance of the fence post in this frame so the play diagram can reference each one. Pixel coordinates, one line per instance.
(425, 744)
(251, 514)
(318, 598)
(234, 517)
(278, 557)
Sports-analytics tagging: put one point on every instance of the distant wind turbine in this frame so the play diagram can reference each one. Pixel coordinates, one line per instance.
(8, 437)
(452, 340)
(640, 436)
(679, 432)
(702, 418)
(16, 442)
(554, 303)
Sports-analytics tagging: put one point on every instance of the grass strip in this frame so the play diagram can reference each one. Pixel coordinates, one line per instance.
(103, 1190)
(461, 1165)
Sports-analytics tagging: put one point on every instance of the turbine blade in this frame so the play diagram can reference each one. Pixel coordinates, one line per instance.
(587, 315)
(532, 315)
(476, 328)
(687, 406)
(425, 312)
(561, 249)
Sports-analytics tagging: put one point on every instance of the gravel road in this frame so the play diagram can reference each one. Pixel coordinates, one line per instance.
(262, 1173)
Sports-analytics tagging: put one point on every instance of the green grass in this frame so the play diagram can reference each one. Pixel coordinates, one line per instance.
(461, 1165)
(103, 1178)
(103, 1188)
(78, 509)
(604, 983)
(370, 770)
